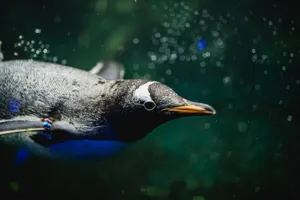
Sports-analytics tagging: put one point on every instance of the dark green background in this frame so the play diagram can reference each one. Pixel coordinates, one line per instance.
(249, 150)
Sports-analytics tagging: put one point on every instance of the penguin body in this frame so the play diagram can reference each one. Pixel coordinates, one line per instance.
(95, 114)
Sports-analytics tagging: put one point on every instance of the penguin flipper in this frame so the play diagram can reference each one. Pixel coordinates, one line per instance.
(24, 124)
(18, 126)
(109, 70)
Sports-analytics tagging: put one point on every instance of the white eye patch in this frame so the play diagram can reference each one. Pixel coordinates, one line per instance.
(142, 94)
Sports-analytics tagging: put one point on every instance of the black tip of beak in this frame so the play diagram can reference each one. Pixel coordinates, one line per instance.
(207, 109)
(193, 108)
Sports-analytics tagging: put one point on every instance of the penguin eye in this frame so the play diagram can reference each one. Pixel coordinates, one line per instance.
(149, 105)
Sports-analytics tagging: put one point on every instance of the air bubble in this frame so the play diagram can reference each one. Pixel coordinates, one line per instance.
(38, 31)
(283, 68)
(136, 41)
(242, 127)
(168, 72)
(226, 80)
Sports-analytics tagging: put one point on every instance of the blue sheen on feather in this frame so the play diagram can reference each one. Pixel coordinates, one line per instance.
(22, 156)
(14, 106)
(201, 44)
(87, 149)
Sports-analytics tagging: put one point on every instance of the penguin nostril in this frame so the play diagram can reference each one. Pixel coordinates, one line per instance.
(149, 105)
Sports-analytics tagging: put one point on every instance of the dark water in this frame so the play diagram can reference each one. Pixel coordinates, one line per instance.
(242, 57)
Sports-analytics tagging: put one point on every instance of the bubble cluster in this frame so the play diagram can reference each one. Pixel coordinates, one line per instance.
(35, 49)
(184, 35)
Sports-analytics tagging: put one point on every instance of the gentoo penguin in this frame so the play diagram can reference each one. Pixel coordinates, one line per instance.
(57, 111)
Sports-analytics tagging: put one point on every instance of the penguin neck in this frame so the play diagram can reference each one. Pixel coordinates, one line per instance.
(117, 105)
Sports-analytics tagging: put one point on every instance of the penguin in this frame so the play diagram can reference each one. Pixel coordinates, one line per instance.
(63, 112)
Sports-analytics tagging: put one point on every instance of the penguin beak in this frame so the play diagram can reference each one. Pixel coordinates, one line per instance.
(192, 108)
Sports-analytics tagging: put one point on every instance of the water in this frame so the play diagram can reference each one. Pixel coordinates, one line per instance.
(240, 57)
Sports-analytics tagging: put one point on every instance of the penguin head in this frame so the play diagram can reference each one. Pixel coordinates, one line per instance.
(144, 105)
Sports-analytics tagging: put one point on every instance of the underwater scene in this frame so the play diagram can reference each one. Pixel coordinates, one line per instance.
(150, 99)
